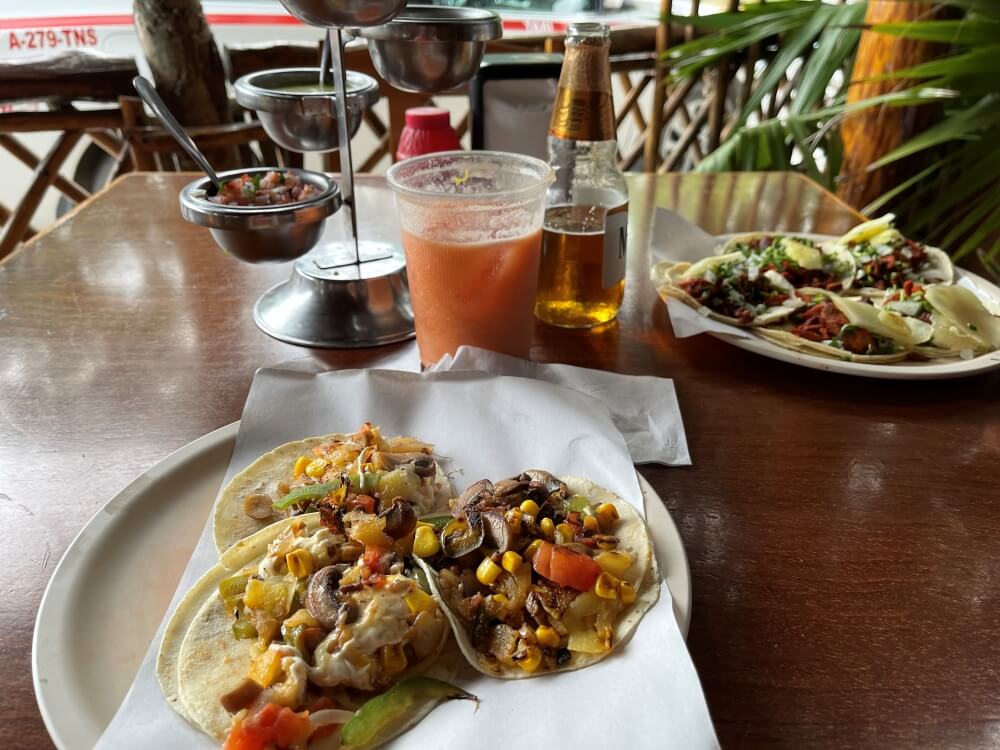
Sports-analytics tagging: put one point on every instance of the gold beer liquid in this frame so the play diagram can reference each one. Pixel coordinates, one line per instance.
(571, 291)
(581, 281)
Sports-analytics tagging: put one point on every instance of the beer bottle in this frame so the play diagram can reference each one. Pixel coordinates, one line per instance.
(582, 278)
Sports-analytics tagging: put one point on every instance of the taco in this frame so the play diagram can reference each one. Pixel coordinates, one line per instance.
(365, 468)
(961, 324)
(728, 288)
(885, 258)
(803, 262)
(849, 329)
(296, 627)
(539, 574)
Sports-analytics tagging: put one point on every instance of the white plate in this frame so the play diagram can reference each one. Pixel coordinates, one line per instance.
(109, 592)
(907, 370)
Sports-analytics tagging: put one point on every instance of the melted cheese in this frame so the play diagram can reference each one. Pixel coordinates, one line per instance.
(348, 656)
(318, 545)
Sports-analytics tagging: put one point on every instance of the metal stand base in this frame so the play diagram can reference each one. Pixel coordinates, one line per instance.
(333, 302)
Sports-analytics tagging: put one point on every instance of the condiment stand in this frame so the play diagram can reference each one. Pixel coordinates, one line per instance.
(354, 293)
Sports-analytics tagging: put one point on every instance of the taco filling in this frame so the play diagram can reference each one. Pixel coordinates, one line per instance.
(885, 258)
(533, 574)
(330, 615)
(738, 289)
(824, 323)
(799, 260)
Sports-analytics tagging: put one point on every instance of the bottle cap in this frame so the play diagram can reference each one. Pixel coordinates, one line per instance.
(428, 118)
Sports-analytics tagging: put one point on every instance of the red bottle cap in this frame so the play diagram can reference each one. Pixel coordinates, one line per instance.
(428, 118)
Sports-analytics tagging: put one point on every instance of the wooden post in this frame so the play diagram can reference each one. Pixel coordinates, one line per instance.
(186, 65)
(873, 133)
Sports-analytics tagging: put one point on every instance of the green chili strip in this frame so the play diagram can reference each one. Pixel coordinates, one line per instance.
(306, 492)
(396, 710)
(437, 521)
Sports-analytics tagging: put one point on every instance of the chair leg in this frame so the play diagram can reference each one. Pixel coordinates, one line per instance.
(45, 175)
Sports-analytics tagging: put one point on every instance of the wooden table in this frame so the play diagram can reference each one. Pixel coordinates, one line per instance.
(843, 534)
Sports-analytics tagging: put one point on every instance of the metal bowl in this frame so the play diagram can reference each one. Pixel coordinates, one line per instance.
(262, 234)
(343, 13)
(299, 120)
(430, 48)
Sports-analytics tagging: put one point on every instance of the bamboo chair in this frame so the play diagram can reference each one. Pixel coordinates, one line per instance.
(152, 149)
(42, 96)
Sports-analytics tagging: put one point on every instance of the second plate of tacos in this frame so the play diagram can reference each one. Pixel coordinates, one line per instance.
(363, 468)
(539, 574)
(849, 329)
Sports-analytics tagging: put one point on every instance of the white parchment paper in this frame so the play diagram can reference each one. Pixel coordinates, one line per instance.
(643, 407)
(676, 239)
(645, 695)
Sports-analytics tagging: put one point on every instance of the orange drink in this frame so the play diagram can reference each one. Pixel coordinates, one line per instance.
(471, 228)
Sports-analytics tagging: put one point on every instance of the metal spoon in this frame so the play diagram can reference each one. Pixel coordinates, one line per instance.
(147, 92)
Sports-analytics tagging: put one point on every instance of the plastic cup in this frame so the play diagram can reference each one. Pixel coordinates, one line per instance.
(471, 226)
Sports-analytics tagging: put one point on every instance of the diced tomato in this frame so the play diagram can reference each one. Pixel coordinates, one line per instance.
(542, 562)
(566, 566)
(373, 558)
(272, 726)
(365, 502)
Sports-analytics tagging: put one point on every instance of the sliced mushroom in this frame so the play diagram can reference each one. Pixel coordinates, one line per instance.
(551, 483)
(509, 488)
(472, 494)
(400, 519)
(424, 466)
(323, 595)
(467, 538)
(241, 696)
(258, 506)
(496, 530)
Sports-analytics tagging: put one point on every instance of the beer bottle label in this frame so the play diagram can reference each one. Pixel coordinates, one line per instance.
(615, 234)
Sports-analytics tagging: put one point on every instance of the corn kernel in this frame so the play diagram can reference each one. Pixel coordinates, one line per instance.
(548, 528)
(487, 571)
(605, 541)
(393, 658)
(590, 523)
(566, 531)
(502, 599)
(615, 563)
(606, 514)
(606, 586)
(529, 508)
(425, 542)
(511, 561)
(266, 668)
(300, 563)
(300, 466)
(547, 636)
(513, 518)
(531, 549)
(419, 600)
(316, 467)
(626, 592)
(531, 659)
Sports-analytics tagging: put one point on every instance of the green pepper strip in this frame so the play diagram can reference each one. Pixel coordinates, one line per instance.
(438, 522)
(578, 503)
(396, 710)
(306, 492)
